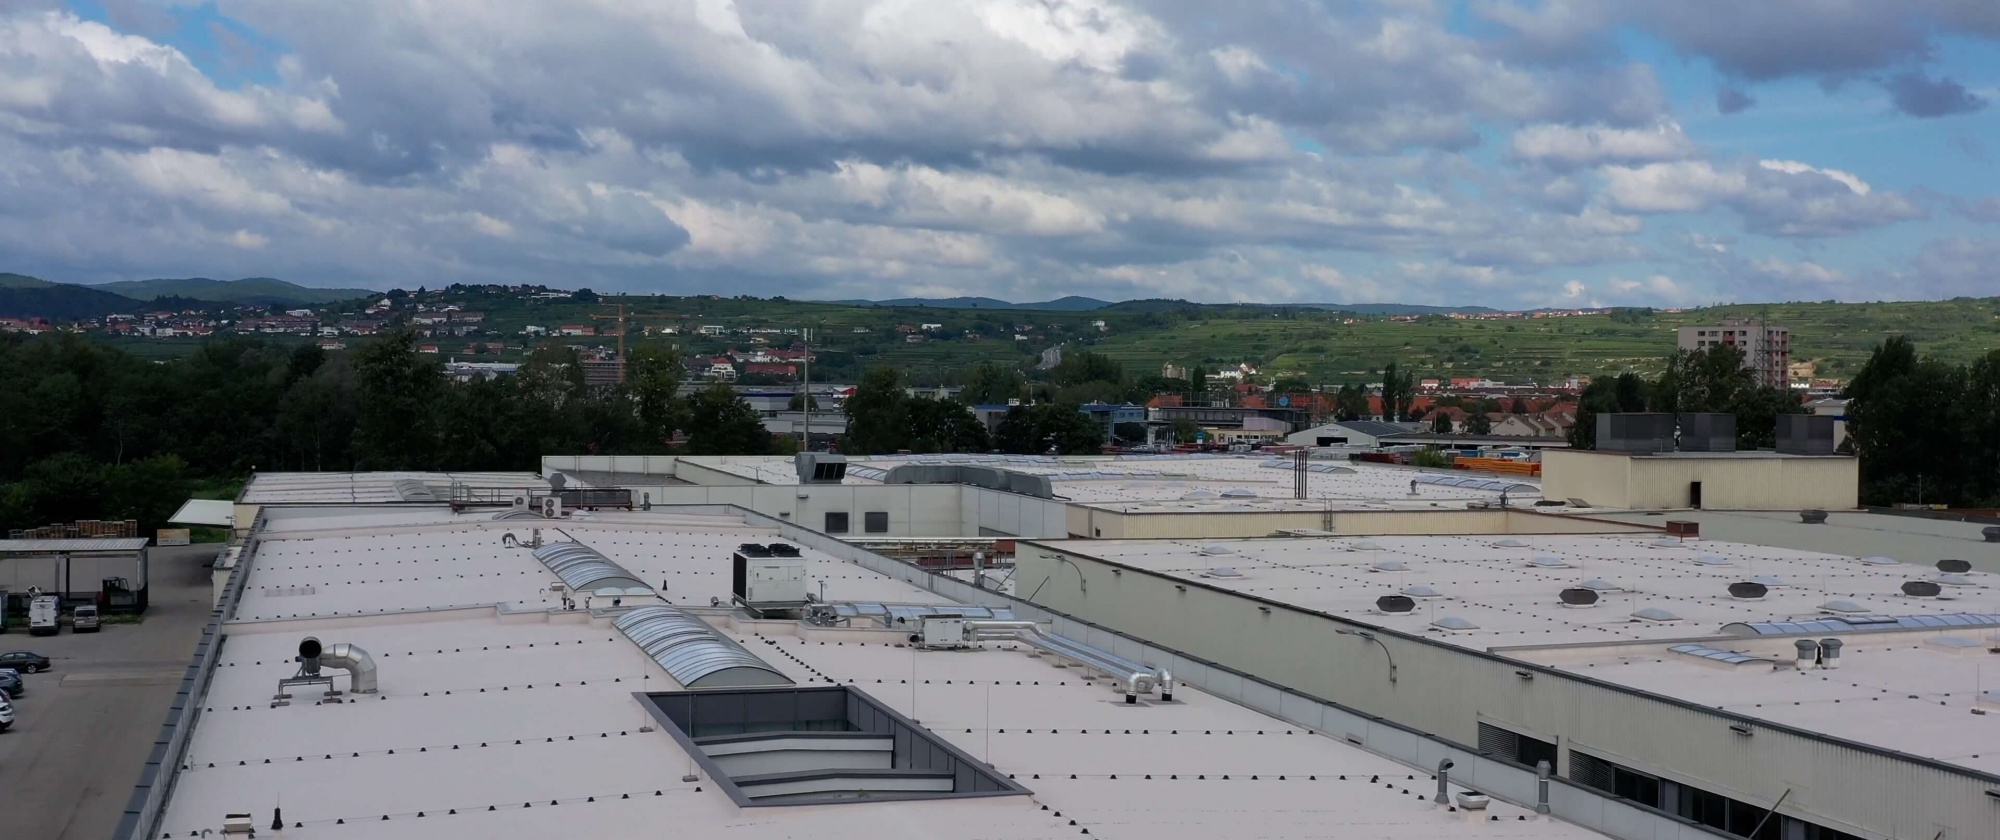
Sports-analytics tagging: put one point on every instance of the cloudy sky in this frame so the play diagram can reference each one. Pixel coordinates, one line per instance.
(1498, 152)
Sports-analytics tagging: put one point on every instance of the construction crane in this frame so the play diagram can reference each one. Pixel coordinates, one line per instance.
(620, 317)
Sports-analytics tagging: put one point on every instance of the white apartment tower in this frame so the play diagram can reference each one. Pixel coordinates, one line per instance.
(1767, 349)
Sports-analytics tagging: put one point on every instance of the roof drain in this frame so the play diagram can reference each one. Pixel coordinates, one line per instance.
(1139, 679)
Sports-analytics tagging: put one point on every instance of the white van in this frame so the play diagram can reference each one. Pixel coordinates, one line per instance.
(44, 614)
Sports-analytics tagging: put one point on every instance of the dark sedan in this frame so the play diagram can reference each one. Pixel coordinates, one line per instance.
(24, 661)
(11, 683)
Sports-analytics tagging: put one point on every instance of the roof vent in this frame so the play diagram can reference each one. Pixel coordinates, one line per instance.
(1957, 567)
(1601, 585)
(1454, 624)
(1216, 549)
(1713, 560)
(1843, 608)
(1418, 590)
(1770, 581)
(1510, 542)
(1953, 579)
(1222, 572)
(1812, 516)
(1395, 604)
(1579, 597)
(1364, 545)
(1880, 561)
(1390, 566)
(1549, 561)
(1921, 589)
(1239, 493)
(1747, 591)
(1655, 614)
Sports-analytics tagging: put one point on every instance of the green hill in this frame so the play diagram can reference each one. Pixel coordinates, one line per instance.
(267, 291)
(22, 281)
(56, 301)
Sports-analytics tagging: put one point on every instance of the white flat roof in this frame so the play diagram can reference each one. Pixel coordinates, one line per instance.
(1896, 689)
(460, 688)
(267, 488)
(307, 569)
(1515, 602)
(80, 544)
(1909, 692)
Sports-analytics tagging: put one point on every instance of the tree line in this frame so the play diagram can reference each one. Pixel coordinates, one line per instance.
(1927, 431)
(93, 432)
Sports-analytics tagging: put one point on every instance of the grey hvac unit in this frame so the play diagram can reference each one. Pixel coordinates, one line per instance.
(766, 578)
(1805, 434)
(820, 467)
(1921, 589)
(1957, 567)
(1708, 432)
(1635, 432)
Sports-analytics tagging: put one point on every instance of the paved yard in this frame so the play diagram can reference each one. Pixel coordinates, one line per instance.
(85, 728)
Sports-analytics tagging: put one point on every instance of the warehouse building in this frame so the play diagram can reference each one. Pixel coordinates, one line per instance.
(1666, 671)
(110, 572)
(390, 672)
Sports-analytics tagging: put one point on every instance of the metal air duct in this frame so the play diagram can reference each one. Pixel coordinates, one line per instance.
(1139, 679)
(350, 658)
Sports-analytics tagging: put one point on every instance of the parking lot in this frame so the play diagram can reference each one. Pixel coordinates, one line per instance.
(85, 727)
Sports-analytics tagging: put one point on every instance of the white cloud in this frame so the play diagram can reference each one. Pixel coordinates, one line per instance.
(1579, 146)
(1775, 197)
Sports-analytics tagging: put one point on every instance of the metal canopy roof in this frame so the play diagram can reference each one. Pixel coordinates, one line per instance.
(694, 653)
(75, 546)
(583, 569)
(220, 513)
(1860, 623)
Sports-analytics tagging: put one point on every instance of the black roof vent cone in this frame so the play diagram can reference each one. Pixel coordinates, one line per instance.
(1747, 591)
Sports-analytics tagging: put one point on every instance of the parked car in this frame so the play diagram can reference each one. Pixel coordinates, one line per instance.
(10, 683)
(24, 661)
(84, 619)
(6, 715)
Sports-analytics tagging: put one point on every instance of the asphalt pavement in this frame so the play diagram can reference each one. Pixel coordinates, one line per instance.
(83, 731)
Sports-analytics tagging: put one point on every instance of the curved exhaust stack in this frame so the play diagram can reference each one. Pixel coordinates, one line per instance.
(350, 658)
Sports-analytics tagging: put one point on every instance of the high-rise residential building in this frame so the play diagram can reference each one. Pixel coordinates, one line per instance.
(1767, 348)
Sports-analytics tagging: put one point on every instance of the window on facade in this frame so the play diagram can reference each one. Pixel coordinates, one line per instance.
(836, 522)
(1515, 747)
(875, 522)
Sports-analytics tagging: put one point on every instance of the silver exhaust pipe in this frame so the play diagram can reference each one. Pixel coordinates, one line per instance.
(350, 658)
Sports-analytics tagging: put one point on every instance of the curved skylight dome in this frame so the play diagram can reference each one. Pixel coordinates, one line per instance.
(1601, 585)
(1418, 590)
(1843, 608)
(1364, 545)
(1510, 542)
(1713, 560)
(1390, 566)
(1197, 495)
(1222, 572)
(1655, 614)
(1664, 542)
(1549, 561)
(1880, 561)
(1238, 493)
(1955, 579)
(1454, 624)
(1770, 581)
(1215, 549)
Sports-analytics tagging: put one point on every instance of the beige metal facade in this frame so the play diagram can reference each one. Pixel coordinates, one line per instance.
(1438, 688)
(1729, 481)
